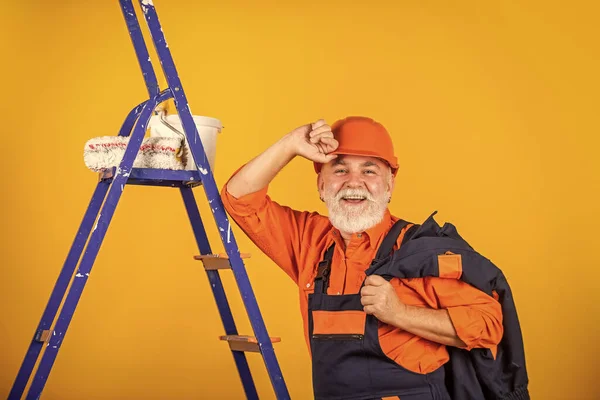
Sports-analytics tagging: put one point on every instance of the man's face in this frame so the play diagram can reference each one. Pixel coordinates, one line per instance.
(356, 190)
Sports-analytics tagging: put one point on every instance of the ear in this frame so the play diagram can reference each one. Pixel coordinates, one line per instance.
(320, 184)
(391, 181)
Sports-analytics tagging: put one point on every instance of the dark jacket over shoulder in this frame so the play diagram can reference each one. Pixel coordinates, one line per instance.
(431, 250)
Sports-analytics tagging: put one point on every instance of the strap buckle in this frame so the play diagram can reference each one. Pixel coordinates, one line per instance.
(323, 269)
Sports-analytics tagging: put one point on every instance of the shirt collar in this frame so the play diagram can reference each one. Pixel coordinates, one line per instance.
(375, 233)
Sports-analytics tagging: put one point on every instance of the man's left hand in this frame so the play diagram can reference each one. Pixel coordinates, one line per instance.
(379, 298)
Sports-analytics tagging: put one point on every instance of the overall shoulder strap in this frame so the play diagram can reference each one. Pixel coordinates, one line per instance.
(324, 270)
(387, 245)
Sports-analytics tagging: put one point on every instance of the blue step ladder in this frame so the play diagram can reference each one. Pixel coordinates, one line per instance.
(102, 207)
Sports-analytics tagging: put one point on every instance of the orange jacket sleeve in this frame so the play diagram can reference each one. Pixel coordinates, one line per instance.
(275, 229)
(477, 317)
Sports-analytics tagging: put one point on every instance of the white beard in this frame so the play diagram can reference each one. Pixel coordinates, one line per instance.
(355, 218)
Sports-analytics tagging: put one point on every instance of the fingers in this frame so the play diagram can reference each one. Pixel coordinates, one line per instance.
(319, 127)
(321, 137)
(330, 141)
(318, 123)
(322, 132)
(368, 291)
(318, 138)
(369, 310)
(323, 158)
(368, 300)
(369, 295)
(375, 280)
(328, 145)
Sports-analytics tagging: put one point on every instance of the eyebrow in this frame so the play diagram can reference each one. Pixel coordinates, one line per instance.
(371, 164)
(340, 161)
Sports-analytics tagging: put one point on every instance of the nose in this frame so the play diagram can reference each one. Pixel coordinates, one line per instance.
(355, 180)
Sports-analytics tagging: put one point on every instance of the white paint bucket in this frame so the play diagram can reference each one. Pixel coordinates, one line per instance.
(207, 127)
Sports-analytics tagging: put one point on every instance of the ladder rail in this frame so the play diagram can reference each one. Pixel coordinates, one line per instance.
(218, 291)
(213, 195)
(139, 45)
(131, 118)
(97, 236)
(58, 292)
(72, 260)
(135, 112)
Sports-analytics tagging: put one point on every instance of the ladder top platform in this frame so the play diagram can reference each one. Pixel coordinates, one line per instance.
(158, 177)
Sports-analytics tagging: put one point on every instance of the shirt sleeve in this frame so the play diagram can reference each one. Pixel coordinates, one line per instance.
(275, 229)
(477, 317)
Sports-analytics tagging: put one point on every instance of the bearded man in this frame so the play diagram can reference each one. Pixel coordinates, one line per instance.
(402, 353)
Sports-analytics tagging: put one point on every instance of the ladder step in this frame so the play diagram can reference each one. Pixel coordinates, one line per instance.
(157, 177)
(42, 336)
(217, 261)
(245, 343)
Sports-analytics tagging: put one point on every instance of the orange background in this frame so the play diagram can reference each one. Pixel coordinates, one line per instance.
(493, 111)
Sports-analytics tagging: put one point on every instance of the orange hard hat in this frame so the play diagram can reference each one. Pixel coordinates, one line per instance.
(362, 136)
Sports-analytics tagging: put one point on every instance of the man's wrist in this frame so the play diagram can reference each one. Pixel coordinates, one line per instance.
(289, 145)
(400, 316)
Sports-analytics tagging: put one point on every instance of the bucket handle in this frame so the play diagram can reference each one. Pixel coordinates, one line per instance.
(162, 113)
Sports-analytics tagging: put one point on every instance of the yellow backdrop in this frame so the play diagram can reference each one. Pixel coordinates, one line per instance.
(493, 111)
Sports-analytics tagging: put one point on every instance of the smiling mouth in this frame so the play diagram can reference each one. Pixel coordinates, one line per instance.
(354, 199)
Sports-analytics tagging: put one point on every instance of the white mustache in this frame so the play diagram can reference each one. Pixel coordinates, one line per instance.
(353, 192)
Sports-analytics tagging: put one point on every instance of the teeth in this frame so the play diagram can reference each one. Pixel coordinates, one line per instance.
(354, 198)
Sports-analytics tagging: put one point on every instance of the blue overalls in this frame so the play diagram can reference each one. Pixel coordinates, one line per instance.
(348, 362)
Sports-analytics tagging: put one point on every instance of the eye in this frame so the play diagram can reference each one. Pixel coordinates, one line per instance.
(338, 171)
(370, 172)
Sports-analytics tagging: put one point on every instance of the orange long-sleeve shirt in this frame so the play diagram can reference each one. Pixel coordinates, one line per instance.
(296, 241)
